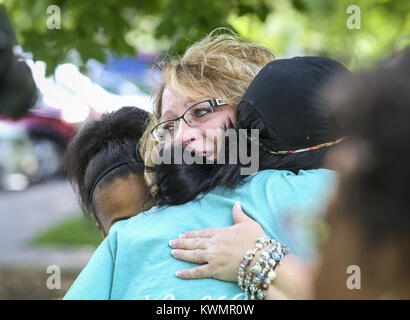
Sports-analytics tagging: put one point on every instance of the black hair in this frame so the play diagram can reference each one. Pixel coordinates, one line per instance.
(18, 91)
(100, 144)
(375, 109)
(181, 183)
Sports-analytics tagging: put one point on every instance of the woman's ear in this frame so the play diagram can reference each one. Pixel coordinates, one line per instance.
(103, 234)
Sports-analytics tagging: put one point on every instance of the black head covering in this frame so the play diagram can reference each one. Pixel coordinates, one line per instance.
(285, 93)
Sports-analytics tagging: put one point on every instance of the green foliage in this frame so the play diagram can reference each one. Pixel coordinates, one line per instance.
(92, 26)
(319, 27)
(72, 232)
(385, 27)
(289, 27)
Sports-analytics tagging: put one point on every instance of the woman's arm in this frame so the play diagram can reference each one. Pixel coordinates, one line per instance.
(294, 280)
(221, 250)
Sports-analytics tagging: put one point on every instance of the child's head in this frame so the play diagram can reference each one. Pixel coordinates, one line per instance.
(105, 168)
(367, 254)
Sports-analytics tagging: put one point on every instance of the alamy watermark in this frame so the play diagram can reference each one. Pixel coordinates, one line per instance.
(54, 280)
(54, 20)
(354, 282)
(217, 146)
(354, 19)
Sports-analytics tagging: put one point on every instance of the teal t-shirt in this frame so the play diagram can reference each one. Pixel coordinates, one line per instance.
(134, 261)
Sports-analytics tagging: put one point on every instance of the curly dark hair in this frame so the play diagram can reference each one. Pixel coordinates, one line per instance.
(101, 143)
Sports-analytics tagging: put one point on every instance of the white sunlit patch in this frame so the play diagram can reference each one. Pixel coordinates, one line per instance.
(74, 114)
(93, 94)
(74, 93)
(15, 182)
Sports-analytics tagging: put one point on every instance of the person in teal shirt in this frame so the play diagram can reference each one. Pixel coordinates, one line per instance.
(134, 262)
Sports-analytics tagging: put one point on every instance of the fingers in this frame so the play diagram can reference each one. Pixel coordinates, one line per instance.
(189, 244)
(238, 214)
(195, 273)
(195, 256)
(204, 233)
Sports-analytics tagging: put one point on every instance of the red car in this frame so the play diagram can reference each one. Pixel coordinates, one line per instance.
(49, 134)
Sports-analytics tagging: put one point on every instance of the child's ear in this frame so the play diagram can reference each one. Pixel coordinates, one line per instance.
(101, 229)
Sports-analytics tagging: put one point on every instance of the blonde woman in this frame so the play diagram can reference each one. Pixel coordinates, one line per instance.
(217, 68)
(195, 103)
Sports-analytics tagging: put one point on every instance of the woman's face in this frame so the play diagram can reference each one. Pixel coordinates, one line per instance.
(202, 139)
(119, 200)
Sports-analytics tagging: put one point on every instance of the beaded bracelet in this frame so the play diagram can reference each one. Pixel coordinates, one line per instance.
(258, 273)
(270, 258)
(262, 273)
(260, 243)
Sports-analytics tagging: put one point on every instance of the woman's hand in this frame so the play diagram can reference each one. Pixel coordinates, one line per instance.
(220, 252)
(221, 249)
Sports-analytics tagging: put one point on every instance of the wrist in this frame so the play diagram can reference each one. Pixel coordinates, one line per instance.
(257, 276)
(243, 274)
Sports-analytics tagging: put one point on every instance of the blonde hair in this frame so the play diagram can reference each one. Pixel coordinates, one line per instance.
(220, 66)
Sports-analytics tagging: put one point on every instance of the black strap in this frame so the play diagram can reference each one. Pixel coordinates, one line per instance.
(104, 173)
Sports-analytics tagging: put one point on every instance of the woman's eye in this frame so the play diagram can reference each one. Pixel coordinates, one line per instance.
(201, 112)
(169, 127)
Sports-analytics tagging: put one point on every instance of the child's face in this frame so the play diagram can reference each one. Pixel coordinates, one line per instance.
(119, 200)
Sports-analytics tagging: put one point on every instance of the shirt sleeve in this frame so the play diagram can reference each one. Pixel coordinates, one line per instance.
(288, 206)
(95, 280)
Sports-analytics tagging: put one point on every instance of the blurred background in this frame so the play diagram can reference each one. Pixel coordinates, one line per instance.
(95, 56)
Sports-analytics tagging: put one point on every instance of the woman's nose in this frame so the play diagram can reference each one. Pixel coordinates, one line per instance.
(185, 134)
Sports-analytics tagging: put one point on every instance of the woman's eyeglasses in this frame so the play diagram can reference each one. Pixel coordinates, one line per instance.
(195, 115)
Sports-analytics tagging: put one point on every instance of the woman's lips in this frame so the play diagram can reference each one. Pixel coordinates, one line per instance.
(204, 153)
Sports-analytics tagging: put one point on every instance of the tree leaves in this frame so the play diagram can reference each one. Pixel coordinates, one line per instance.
(93, 27)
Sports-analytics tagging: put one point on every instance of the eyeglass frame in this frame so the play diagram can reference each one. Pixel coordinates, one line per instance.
(212, 102)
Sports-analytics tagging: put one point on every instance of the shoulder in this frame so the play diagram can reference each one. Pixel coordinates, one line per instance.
(283, 177)
(154, 222)
(95, 280)
(281, 186)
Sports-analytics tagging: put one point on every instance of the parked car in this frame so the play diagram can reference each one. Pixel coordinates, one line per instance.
(68, 99)
(49, 135)
(18, 163)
